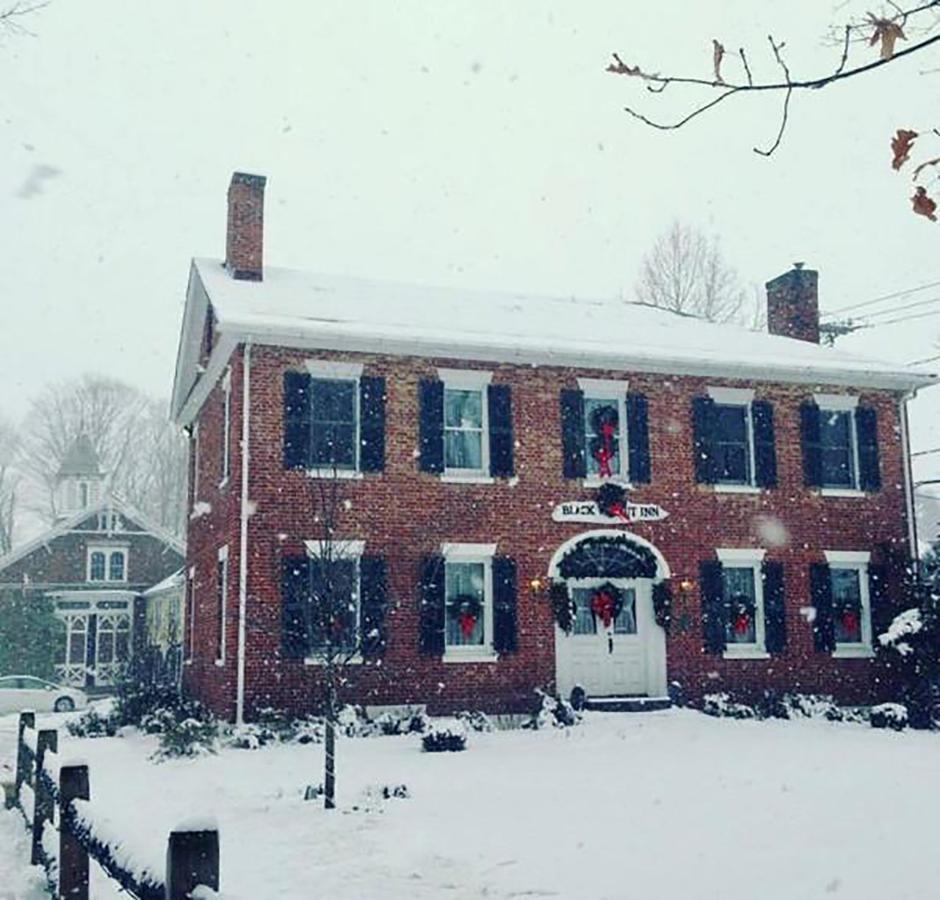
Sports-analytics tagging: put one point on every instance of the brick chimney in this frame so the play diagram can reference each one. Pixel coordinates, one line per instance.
(793, 304)
(244, 239)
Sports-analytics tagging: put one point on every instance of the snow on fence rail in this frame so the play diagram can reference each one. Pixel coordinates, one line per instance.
(48, 791)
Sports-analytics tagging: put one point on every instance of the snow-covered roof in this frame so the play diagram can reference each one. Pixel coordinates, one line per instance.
(294, 308)
(170, 583)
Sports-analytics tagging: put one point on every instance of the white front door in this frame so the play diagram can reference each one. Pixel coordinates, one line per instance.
(609, 665)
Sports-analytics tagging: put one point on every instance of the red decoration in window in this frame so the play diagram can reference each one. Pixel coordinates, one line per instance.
(742, 624)
(605, 453)
(850, 621)
(467, 622)
(602, 605)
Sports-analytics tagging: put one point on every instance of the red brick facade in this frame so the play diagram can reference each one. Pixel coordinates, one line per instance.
(404, 514)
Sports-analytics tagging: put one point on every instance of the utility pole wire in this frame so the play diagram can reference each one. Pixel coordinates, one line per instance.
(875, 300)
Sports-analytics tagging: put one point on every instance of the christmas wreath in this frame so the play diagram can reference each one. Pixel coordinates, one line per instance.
(606, 604)
(467, 608)
(850, 620)
(612, 501)
(605, 423)
(741, 617)
(563, 608)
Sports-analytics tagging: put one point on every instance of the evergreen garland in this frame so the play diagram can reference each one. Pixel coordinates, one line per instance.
(563, 608)
(662, 604)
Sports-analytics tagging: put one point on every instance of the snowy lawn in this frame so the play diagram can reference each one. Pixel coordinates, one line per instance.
(666, 805)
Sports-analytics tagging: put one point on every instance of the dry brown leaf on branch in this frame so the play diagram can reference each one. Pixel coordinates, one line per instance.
(923, 165)
(924, 205)
(718, 51)
(619, 67)
(901, 145)
(887, 31)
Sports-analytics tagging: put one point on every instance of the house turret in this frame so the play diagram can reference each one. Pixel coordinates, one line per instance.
(80, 480)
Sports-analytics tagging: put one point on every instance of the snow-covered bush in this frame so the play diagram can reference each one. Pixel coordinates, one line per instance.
(552, 712)
(475, 720)
(445, 736)
(889, 715)
(187, 738)
(92, 724)
(723, 706)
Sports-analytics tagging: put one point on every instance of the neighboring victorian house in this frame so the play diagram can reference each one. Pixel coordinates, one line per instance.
(94, 561)
(538, 492)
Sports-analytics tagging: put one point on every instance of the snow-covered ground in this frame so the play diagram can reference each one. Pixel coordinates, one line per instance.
(666, 805)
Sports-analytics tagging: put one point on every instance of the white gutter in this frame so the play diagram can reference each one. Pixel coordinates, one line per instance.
(243, 537)
(909, 483)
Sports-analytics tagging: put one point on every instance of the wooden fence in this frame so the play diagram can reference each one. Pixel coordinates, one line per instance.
(54, 800)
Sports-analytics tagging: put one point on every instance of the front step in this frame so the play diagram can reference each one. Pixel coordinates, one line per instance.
(627, 704)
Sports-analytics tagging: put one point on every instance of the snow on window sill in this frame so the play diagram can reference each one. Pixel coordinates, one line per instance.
(476, 655)
(853, 651)
(841, 492)
(469, 478)
(736, 489)
(594, 481)
(352, 474)
(220, 663)
(319, 661)
(745, 652)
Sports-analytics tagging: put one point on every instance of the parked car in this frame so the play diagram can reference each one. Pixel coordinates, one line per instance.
(27, 692)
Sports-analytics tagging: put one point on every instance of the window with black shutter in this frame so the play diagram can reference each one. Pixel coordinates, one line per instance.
(733, 439)
(713, 605)
(505, 614)
(840, 444)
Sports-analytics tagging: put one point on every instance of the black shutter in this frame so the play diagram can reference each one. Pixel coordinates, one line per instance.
(295, 594)
(505, 625)
(703, 440)
(432, 605)
(431, 426)
(882, 611)
(812, 444)
(765, 450)
(638, 438)
(574, 464)
(820, 588)
(499, 401)
(713, 606)
(373, 604)
(775, 614)
(869, 470)
(296, 420)
(371, 424)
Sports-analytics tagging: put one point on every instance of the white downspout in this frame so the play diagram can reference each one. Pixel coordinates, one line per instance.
(243, 537)
(909, 484)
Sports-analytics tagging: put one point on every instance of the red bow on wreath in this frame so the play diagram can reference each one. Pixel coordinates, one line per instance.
(467, 622)
(605, 453)
(602, 605)
(850, 621)
(742, 624)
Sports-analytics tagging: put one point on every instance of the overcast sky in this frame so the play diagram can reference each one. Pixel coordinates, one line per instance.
(477, 144)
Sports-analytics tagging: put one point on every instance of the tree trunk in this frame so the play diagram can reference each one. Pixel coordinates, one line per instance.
(329, 762)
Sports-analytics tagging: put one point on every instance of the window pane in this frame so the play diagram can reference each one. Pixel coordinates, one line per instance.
(105, 646)
(732, 445)
(598, 412)
(847, 605)
(334, 605)
(116, 572)
(463, 409)
(77, 648)
(464, 600)
(838, 468)
(740, 605)
(463, 449)
(333, 423)
(583, 619)
(97, 566)
(625, 623)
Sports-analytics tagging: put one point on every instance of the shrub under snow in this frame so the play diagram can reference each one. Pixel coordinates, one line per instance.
(889, 715)
(449, 735)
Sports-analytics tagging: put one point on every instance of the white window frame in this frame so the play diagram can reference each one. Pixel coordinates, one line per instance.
(196, 443)
(748, 558)
(858, 560)
(342, 551)
(846, 403)
(728, 396)
(472, 553)
(468, 380)
(108, 550)
(222, 592)
(226, 427)
(334, 370)
(608, 389)
(189, 646)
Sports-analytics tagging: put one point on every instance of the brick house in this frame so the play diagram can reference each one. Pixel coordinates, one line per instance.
(536, 492)
(94, 561)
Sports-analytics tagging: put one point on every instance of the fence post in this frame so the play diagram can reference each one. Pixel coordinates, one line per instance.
(47, 739)
(27, 720)
(192, 858)
(73, 858)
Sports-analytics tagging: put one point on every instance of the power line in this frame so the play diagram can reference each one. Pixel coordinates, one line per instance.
(925, 452)
(926, 359)
(895, 309)
(872, 302)
(925, 315)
